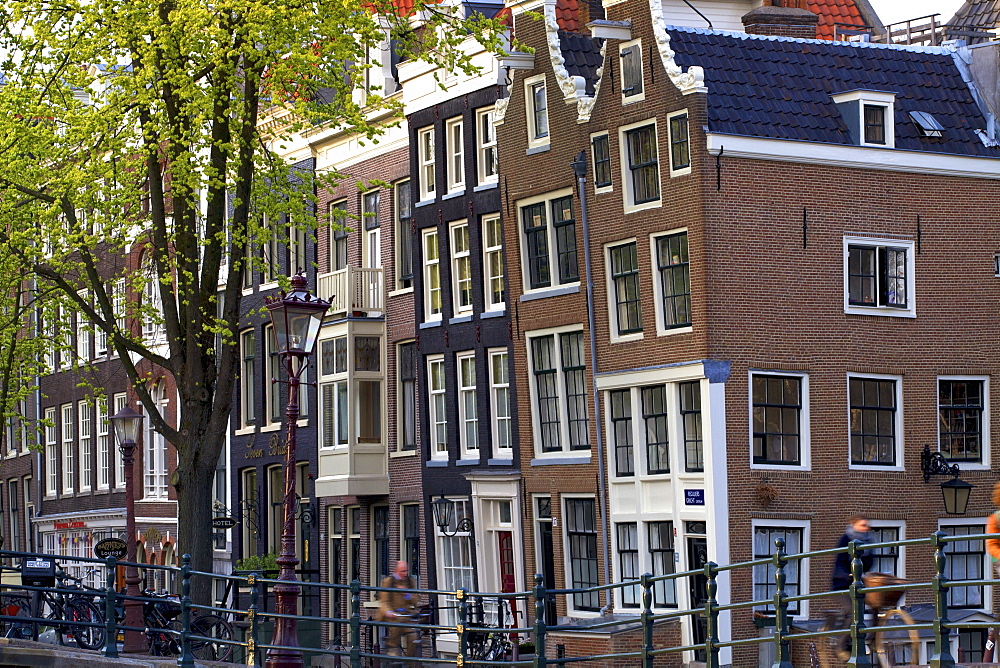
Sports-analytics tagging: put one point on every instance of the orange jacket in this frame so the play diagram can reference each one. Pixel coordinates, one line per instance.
(993, 544)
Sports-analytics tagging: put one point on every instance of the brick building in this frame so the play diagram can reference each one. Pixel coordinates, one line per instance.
(764, 223)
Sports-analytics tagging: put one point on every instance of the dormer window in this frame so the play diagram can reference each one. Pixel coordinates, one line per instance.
(868, 115)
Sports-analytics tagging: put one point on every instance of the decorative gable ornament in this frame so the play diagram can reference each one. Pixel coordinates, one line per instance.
(692, 81)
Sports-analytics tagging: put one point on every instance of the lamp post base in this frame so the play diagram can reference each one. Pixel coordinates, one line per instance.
(286, 597)
(135, 641)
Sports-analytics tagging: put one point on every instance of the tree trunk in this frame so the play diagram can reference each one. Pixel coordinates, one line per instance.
(193, 481)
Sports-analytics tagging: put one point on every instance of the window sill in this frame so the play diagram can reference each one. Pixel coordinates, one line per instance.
(974, 466)
(401, 291)
(645, 206)
(626, 338)
(680, 172)
(533, 150)
(467, 462)
(600, 190)
(570, 289)
(871, 467)
(270, 285)
(781, 467)
(503, 461)
(489, 185)
(493, 314)
(436, 463)
(632, 99)
(397, 454)
(245, 431)
(676, 330)
(460, 318)
(559, 461)
(452, 194)
(880, 311)
(425, 202)
(103, 491)
(274, 426)
(429, 324)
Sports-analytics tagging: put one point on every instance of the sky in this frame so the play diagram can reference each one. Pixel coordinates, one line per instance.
(892, 11)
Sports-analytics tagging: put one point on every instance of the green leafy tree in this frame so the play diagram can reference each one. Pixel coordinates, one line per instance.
(140, 154)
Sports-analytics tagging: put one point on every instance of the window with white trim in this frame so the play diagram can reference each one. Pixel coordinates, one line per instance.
(68, 455)
(559, 392)
(269, 249)
(101, 336)
(501, 428)
(152, 319)
(103, 445)
(432, 276)
(437, 407)
(680, 143)
(486, 142)
(51, 452)
(581, 552)
(640, 166)
(86, 445)
(455, 149)
(368, 387)
(120, 400)
(272, 378)
(461, 268)
(119, 302)
(627, 544)
(886, 559)
(338, 235)
(371, 251)
(966, 560)
(549, 242)
(777, 425)
(961, 428)
(247, 375)
(454, 559)
(878, 276)
(875, 420)
(494, 267)
(538, 111)
(691, 425)
(155, 450)
(630, 54)
(296, 247)
(333, 392)
(404, 235)
(406, 357)
(623, 284)
(673, 280)
(425, 159)
(764, 538)
(83, 331)
(869, 116)
(600, 149)
(468, 414)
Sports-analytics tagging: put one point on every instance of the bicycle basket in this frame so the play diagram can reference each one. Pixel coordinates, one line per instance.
(882, 599)
(169, 608)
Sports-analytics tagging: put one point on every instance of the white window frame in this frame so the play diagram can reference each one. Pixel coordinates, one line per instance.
(273, 410)
(85, 429)
(805, 440)
(628, 192)
(435, 421)
(900, 525)
(84, 330)
(486, 144)
(337, 233)
(269, 266)
(593, 162)
(459, 257)
(488, 276)
(401, 413)
(874, 98)
(553, 248)
(248, 409)
(496, 422)
(336, 379)
(155, 464)
(987, 560)
(68, 447)
(564, 433)
(670, 143)
(403, 232)
(104, 444)
(430, 266)
(658, 286)
(52, 452)
(563, 526)
(899, 465)
(854, 309)
(426, 164)
(806, 527)
(641, 95)
(454, 132)
(534, 140)
(986, 446)
(371, 248)
(448, 603)
(614, 327)
(640, 451)
(119, 302)
(645, 564)
(120, 401)
(468, 448)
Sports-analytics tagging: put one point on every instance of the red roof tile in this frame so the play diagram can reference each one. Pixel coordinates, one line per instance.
(568, 15)
(832, 12)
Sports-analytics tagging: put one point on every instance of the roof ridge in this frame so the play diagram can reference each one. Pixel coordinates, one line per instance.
(933, 50)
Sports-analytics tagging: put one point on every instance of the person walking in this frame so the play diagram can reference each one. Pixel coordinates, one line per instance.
(398, 606)
(858, 529)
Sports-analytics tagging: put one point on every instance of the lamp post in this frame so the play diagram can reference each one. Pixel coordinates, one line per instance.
(297, 317)
(127, 423)
(955, 492)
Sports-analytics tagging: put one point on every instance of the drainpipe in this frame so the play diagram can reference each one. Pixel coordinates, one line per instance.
(580, 170)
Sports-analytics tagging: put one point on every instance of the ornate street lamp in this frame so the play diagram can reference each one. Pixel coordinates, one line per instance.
(127, 424)
(297, 317)
(955, 492)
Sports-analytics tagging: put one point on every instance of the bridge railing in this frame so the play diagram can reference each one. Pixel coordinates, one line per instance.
(473, 639)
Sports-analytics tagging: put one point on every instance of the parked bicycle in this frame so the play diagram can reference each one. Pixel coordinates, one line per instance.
(160, 613)
(67, 610)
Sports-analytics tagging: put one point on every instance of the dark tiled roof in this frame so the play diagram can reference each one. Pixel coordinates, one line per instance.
(975, 16)
(582, 54)
(780, 88)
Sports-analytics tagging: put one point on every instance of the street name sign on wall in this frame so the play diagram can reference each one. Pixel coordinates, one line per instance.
(111, 547)
(694, 497)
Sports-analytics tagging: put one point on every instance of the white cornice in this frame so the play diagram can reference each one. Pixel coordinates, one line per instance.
(853, 157)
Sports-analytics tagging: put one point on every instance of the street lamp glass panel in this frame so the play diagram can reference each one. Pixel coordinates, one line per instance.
(956, 496)
(127, 424)
(442, 512)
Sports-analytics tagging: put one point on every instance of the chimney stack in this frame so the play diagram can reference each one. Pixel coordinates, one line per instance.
(787, 18)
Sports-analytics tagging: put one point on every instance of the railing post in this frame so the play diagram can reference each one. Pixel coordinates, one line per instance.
(355, 624)
(186, 659)
(540, 625)
(463, 622)
(782, 657)
(859, 651)
(252, 615)
(647, 620)
(110, 613)
(711, 616)
(942, 657)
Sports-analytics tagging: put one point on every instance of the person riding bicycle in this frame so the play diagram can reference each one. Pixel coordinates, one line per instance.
(858, 529)
(993, 526)
(398, 607)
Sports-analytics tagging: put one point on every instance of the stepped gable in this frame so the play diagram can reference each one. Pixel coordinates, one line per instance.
(778, 87)
(582, 54)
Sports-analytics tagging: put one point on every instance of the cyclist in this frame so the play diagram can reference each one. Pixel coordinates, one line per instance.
(858, 529)
(398, 607)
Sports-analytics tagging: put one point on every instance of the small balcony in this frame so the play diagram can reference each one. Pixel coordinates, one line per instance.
(353, 289)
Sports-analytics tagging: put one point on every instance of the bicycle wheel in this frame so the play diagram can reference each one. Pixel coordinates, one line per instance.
(211, 626)
(92, 634)
(13, 606)
(901, 644)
